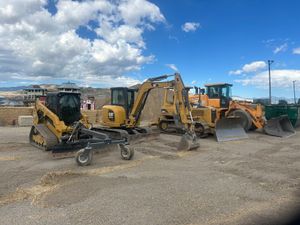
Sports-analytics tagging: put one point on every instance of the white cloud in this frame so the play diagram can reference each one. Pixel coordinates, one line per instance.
(173, 67)
(108, 81)
(136, 12)
(296, 51)
(249, 68)
(193, 82)
(254, 66)
(280, 78)
(36, 45)
(281, 48)
(190, 26)
(235, 72)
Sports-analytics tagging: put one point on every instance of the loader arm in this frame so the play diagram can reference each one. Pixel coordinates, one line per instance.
(44, 115)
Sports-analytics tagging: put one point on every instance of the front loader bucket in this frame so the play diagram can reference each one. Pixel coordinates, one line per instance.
(280, 127)
(187, 142)
(229, 129)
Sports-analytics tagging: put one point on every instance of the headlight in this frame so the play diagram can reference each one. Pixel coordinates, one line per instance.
(164, 111)
(111, 115)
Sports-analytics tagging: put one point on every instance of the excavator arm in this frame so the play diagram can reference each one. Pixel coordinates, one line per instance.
(180, 97)
(142, 95)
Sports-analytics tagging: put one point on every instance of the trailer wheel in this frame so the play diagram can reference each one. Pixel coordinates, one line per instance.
(246, 120)
(84, 157)
(126, 152)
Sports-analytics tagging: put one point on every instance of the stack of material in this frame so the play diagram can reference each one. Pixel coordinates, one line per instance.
(25, 121)
(91, 114)
(10, 115)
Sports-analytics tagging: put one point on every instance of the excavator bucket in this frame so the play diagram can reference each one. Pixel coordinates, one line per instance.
(280, 127)
(229, 129)
(187, 142)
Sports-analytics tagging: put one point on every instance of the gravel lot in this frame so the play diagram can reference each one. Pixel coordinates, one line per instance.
(252, 181)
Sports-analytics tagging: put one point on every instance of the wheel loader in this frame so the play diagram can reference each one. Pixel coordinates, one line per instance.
(124, 112)
(217, 97)
(60, 127)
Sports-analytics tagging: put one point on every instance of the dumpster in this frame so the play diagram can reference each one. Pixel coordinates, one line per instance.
(292, 111)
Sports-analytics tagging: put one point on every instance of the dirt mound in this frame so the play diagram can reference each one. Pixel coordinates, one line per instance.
(153, 105)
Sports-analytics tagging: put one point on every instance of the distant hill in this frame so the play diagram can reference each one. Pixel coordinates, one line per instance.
(17, 88)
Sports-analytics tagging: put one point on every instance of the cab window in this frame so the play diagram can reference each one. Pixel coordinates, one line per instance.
(130, 99)
(118, 97)
(213, 92)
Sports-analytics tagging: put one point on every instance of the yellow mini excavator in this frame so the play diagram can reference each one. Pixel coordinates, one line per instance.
(127, 104)
(60, 127)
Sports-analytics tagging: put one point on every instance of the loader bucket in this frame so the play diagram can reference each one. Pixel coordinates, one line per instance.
(187, 142)
(280, 127)
(229, 129)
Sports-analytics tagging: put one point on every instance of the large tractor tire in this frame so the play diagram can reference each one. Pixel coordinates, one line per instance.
(245, 118)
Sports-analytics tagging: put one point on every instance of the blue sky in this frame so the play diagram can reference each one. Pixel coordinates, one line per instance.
(124, 42)
(232, 33)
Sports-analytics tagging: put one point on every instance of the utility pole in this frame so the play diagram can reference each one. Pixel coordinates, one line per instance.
(294, 91)
(270, 86)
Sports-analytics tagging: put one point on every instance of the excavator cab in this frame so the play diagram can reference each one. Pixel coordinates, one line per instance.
(122, 96)
(122, 101)
(65, 105)
(219, 95)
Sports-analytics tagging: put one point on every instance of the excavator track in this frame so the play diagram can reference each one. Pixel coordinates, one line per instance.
(42, 138)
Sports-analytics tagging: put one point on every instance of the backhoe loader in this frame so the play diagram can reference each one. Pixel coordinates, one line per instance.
(251, 116)
(127, 104)
(60, 127)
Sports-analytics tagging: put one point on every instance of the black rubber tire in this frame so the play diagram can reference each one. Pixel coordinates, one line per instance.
(246, 120)
(253, 127)
(126, 152)
(200, 132)
(82, 158)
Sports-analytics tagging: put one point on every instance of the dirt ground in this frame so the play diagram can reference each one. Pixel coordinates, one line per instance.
(252, 181)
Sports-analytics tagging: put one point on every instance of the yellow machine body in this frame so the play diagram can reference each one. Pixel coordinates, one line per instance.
(253, 113)
(113, 116)
(48, 128)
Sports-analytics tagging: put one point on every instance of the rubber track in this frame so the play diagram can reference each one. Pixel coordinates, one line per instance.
(51, 139)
